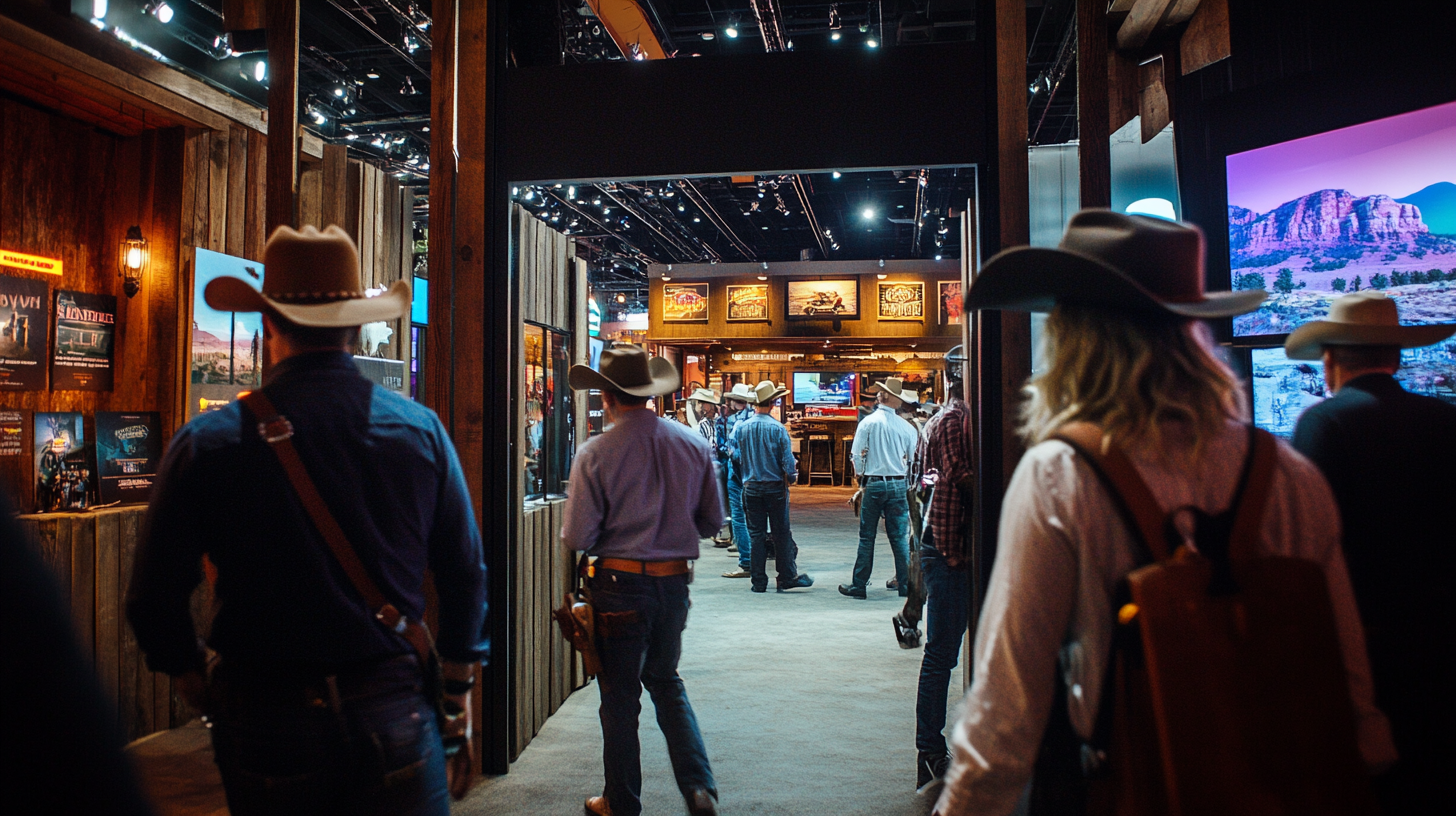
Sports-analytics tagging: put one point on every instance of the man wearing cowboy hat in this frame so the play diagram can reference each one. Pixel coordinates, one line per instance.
(763, 454)
(882, 449)
(737, 400)
(641, 496)
(300, 653)
(1388, 454)
(705, 402)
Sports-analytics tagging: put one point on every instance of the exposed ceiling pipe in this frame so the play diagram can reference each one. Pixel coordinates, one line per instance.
(689, 253)
(571, 205)
(800, 187)
(922, 183)
(702, 203)
(404, 55)
(770, 25)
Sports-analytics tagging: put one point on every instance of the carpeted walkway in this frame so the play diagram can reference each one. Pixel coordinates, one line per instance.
(806, 702)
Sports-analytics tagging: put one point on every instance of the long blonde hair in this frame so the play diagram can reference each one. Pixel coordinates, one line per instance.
(1129, 377)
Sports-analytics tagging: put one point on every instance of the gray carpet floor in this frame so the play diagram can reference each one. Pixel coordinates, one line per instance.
(806, 702)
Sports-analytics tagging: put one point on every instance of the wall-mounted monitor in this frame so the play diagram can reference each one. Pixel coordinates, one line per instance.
(1283, 389)
(595, 346)
(1372, 206)
(824, 388)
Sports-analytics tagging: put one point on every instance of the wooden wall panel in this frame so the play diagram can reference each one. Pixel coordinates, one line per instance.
(379, 215)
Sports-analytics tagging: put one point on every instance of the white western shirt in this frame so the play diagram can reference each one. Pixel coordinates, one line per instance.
(884, 444)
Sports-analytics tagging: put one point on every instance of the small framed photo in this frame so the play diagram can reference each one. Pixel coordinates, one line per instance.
(822, 299)
(951, 305)
(748, 303)
(685, 303)
(901, 300)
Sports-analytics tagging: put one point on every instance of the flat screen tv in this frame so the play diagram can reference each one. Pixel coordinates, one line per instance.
(1372, 206)
(824, 387)
(1283, 389)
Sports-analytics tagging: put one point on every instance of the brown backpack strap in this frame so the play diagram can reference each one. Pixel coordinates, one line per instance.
(277, 431)
(1253, 497)
(1129, 492)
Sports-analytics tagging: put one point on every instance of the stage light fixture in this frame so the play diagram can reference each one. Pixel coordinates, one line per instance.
(937, 257)
(260, 70)
(731, 32)
(872, 43)
(708, 35)
(162, 11)
(834, 35)
(868, 213)
(836, 174)
(372, 75)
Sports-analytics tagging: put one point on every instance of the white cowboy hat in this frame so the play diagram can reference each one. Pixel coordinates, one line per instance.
(706, 395)
(896, 388)
(310, 278)
(740, 392)
(1361, 319)
(766, 392)
(627, 369)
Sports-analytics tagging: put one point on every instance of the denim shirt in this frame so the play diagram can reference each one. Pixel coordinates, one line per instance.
(762, 451)
(391, 478)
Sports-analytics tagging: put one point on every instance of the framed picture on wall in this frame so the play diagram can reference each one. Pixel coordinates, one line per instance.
(951, 304)
(684, 303)
(748, 304)
(823, 299)
(901, 300)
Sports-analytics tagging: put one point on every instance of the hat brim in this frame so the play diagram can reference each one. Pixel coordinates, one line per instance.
(1308, 341)
(1035, 279)
(663, 376)
(235, 295)
(903, 395)
(781, 392)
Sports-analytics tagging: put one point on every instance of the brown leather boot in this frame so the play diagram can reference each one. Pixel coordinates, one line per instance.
(702, 803)
(597, 806)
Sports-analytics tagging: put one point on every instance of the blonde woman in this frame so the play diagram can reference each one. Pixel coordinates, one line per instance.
(1128, 354)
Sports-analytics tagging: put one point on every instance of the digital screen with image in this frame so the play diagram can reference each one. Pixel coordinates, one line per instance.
(1371, 206)
(1283, 389)
(823, 387)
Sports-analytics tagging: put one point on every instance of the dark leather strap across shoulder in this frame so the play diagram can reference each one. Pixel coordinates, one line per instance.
(1132, 496)
(1252, 496)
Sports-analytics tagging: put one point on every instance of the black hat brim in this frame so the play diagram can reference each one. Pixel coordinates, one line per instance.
(1035, 279)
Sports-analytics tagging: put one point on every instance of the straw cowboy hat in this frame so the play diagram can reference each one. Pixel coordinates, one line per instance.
(627, 369)
(706, 395)
(1124, 262)
(896, 388)
(310, 278)
(740, 392)
(1361, 319)
(766, 392)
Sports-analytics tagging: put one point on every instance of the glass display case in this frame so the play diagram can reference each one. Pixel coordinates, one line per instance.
(549, 435)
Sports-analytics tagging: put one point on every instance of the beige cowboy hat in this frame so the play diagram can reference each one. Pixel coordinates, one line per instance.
(896, 388)
(740, 392)
(706, 395)
(627, 369)
(1361, 319)
(310, 278)
(766, 392)
(1115, 261)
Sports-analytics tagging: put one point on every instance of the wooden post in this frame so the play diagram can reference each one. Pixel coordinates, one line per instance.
(1013, 189)
(1094, 151)
(282, 168)
(439, 348)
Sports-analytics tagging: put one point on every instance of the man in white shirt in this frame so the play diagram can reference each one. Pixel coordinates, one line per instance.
(882, 448)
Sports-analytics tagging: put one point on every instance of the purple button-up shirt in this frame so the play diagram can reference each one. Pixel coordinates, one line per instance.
(644, 490)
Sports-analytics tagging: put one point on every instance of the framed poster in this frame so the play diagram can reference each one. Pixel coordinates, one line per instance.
(85, 338)
(748, 303)
(128, 450)
(24, 329)
(951, 305)
(901, 300)
(14, 433)
(823, 299)
(684, 303)
(62, 467)
(227, 347)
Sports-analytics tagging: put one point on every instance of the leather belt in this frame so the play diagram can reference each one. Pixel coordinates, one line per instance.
(868, 479)
(657, 569)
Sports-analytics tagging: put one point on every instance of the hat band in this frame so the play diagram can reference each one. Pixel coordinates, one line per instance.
(307, 298)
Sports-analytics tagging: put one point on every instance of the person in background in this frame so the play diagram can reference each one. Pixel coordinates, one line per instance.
(300, 654)
(943, 461)
(763, 451)
(909, 411)
(641, 496)
(1388, 455)
(1126, 352)
(882, 448)
(737, 401)
(705, 404)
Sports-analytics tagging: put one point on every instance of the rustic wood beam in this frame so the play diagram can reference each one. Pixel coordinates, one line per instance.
(282, 201)
(1153, 103)
(1013, 188)
(1142, 20)
(1206, 40)
(439, 349)
(1094, 150)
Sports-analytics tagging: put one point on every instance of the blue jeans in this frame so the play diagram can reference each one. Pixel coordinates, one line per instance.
(883, 497)
(292, 745)
(945, 628)
(740, 529)
(640, 621)
(766, 504)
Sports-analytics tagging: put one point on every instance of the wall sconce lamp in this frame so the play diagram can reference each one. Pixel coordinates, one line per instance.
(135, 256)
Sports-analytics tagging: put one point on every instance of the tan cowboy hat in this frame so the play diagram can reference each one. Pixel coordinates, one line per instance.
(1116, 261)
(627, 369)
(766, 392)
(740, 392)
(1361, 319)
(896, 388)
(310, 278)
(706, 395)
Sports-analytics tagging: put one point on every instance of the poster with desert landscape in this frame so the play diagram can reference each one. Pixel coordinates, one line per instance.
(1368, 207)
(227, 347)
